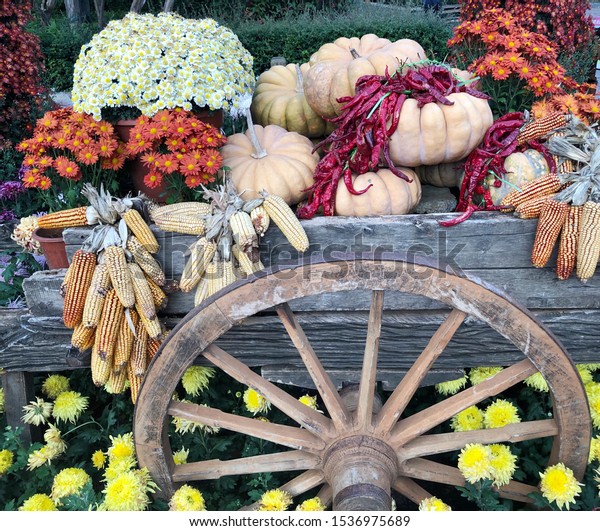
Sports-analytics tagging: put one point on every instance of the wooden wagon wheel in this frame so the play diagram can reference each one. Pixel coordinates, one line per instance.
(358, 455)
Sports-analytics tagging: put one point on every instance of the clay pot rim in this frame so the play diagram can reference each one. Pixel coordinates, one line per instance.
(43, 235)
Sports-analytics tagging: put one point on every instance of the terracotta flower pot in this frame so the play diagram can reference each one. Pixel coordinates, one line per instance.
(136, 168)
(53, 247)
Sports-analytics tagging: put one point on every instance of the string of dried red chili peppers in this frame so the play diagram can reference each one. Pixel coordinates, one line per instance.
(368, 120)
(499, 142)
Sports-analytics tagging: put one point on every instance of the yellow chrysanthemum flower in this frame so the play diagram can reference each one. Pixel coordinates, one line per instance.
(558, 484)
(180, 457)
(98, 459)
(592, 367)
(196, 379)
(274, 500)
(54, 385)
(537, 381)
(40, 457)
(69, 405)
(474, 462)
(310, 401)
(38, 502)
(593, 394)
(480, 374)
(6, 461)
(594, 449)
(451, 387)
(503, 464)
(187, 498)
(433, 504)
(37, 412)
(121, 447)
(117, 467)
(312, 504)
(68, 482)
(467, 420)
(127, 492)
(585, 373)
(189, 426)
(255, 402)
(500, 413)
(53, 437)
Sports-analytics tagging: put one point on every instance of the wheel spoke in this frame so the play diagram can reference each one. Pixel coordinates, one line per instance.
(325, 494)
(307, 417)
(417, 424)
(215, 468)
(410, 489)
(396, 404)
(337, 410)
(295, 487)
(285, 435)
(448, 442)
(448, 475)
(368, 378)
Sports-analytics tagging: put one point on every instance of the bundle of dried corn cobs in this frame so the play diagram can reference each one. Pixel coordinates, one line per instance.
(567, 203)
(230, 229)
(112, 289)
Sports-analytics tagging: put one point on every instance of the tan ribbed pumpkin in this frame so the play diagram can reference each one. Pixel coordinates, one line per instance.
(389, 195)
(437, 133)
(447, 175)
(336, 66)
(279, 100)
(271, 159)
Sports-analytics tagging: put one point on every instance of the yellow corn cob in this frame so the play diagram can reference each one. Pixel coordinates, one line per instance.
(565, 167)
(228, 273)
(117, 381)
(74, 217)
(135, 383)
(152, 348)
(124, 344)
(258, 266)
(182, 223)
(552, 218)
(83, 266)
(588, 243)
(186, 208)
(201, 254)
(243, 259)
(532, 208)
(65, 282)
(542, 127)
(546, 185)
(108, 328)
(120, 278)
(96, 294)
(201, 291)
(243, 231)
(140, 229)
(567, 248)
(101, 368)
(138, 353)
(214, 274)
(83, 337)
(152, 326)
(283, 216)
(145, 260)
(143, 296)
(260, 220)
(158, 295)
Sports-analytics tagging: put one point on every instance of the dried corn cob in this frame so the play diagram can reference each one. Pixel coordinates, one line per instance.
(243, 231)
(532, 208)
(566, 166)
(546, 185)
(567, 248)
(260, 220)
(588, 243)
(135, 383)
(228, 273)
(124, 344)
(101, 368)
(158, 295)
(114, 258)
(144, 300)
(201, 254)
(201, 291)
(140, 229)
(83, 266)
(186, 208)
(184, 224)
(96, 294)
(83, 337)
(552, 218)
(74, 217)
(152, 325)
(283, 216)
(108, 328)
(214, 275)
(117, 382)
(145, 260)
(152, 348)
(138, 353)
(65, 282)
(243, 259)
(258, 266)
(542, 127)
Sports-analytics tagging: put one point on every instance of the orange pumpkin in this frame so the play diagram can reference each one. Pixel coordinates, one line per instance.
(336, 66)
(388, 195)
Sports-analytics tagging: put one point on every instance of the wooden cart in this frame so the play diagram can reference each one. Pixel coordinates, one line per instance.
(391, 303)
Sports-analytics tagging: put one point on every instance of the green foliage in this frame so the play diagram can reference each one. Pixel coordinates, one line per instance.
(14, 268)
(482, 494)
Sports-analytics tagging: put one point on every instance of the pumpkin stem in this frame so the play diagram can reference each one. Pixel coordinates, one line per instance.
(299, 80)
(354, 53)
(259, 151)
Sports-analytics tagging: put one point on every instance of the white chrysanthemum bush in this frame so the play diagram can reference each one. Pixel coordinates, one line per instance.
(162, 62)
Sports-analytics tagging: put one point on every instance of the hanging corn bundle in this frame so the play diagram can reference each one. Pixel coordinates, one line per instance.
(112, 289)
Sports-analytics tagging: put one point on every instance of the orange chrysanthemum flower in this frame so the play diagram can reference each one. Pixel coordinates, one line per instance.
(211, 161)
(162, 118)
(179, 128)
(30, 179)
(44, 182)
(152, 132)
(67, 168)
(48, 121)
(167, 163)
(501, 72)
(153, 179)
(190, 165)
(150, 159)
(87, 156)
(106, 147)
(30, 161)
(193, 181)
(45, 161)
(116, 162)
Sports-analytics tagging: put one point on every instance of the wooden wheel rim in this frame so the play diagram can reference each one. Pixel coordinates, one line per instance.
(277, 286)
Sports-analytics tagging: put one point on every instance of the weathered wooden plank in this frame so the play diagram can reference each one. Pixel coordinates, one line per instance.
(18, 392)
(6, 244)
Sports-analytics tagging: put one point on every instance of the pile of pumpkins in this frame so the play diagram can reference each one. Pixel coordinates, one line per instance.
(292, 106)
